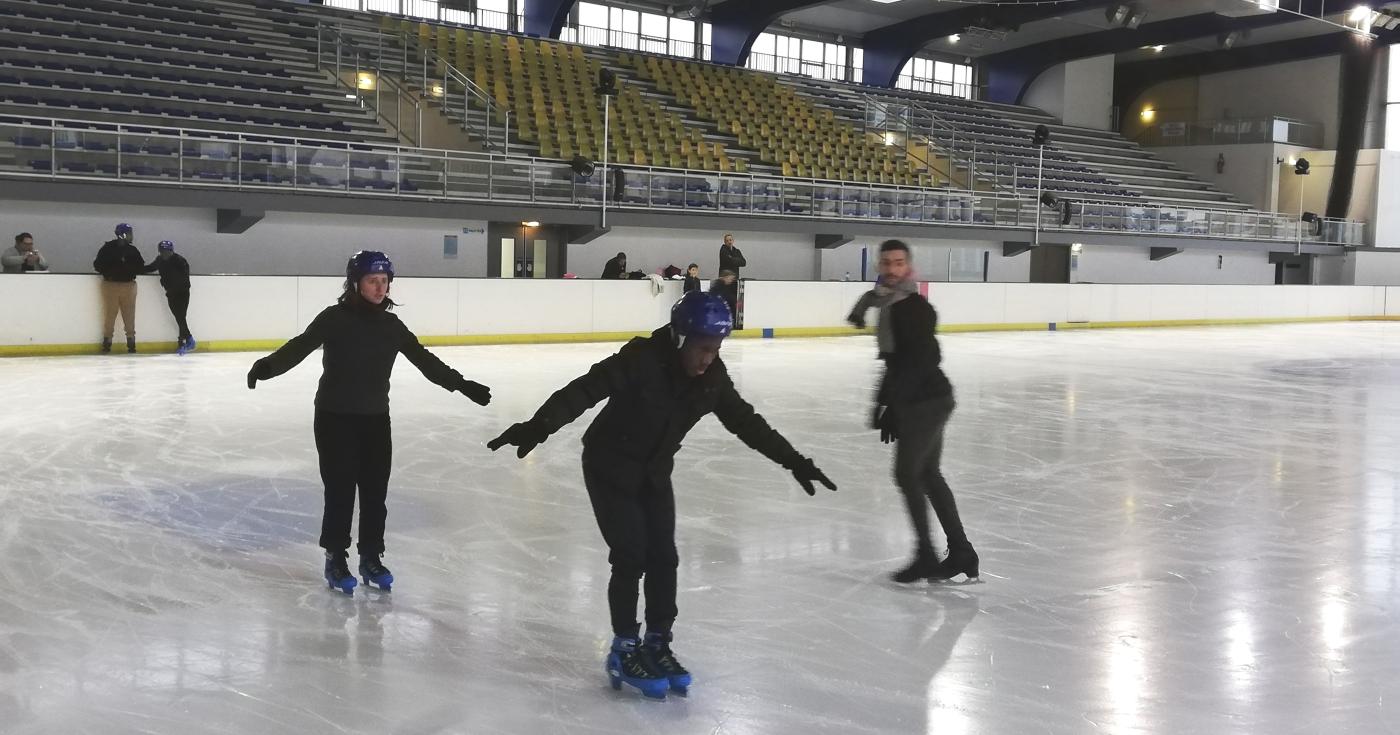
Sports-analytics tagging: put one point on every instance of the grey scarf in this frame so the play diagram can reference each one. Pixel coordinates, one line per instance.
(883, 297)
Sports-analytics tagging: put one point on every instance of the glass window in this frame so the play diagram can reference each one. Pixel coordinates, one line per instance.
(592, 15)
(763, 44)
(654, 25)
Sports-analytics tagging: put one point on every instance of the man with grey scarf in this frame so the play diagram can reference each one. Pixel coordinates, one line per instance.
(912, 408)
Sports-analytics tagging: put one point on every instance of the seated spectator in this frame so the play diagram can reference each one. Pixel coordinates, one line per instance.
(616, 268)
(23, 258)
(692, 278)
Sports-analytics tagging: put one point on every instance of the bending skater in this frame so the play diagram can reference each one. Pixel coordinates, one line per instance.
(913, 405)
(361, 339)
(175, 279)
(657, 388)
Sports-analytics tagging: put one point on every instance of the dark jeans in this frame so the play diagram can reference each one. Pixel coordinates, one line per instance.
(179, 306)
(918, 452)
(636, 511)
(355, 452)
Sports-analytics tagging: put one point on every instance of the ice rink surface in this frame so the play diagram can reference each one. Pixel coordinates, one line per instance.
(1181, 531)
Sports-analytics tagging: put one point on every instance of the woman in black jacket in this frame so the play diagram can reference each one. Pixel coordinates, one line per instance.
(361, 338)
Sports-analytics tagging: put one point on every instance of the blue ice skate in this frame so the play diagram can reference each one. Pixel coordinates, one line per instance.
(187, 346)
(338, 572)
(375, 574)
(658, 646)
(628, 663)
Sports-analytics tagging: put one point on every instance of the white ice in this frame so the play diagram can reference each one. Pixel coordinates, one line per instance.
(1187, 531)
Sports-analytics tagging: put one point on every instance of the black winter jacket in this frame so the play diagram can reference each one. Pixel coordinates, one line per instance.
(118, 260)
(912, 371)
(731, 259)
(652, 405)
(174, 272)
(361, 343)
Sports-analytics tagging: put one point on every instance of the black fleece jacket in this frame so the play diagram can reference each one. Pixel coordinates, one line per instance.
(361, 343)
(652, 405)
(912, 371)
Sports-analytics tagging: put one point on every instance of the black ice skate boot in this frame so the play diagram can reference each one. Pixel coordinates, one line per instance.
(374, 573)
(924, 566)
(338, 574)
(130, 345)
(659, 646)
(959, 561)
(630, 663)
(106, 346)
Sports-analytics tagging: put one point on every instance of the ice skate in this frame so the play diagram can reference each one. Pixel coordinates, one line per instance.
(338, 572)
(374, 574)
(629, 663)
(959, 561)
(658, 646)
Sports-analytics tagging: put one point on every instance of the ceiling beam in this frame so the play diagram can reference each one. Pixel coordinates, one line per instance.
(889, 48)
(737, 23)
(1009, 74)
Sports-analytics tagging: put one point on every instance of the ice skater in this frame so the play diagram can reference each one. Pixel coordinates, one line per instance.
(913, 405)
(119, 262)
(175, 279)
(361, 340)
(657, 388)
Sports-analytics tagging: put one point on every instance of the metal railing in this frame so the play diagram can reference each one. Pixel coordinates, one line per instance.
(791, 65)
(899, 122)
(72, 150)
(364, 77)
(1273, 129)
(613, 38)
(429, 10)
(431, 78)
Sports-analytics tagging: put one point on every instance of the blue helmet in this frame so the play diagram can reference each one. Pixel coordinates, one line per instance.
(701, 315)
(166, 246)
(366, 262)
(123, 229)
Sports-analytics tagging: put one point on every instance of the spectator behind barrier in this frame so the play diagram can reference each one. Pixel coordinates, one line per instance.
(23, 258)
(616, 267)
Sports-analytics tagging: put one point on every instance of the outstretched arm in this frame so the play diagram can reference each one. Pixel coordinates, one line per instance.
(439, 372)
(740, 418)
(568, 403)
(291, 354)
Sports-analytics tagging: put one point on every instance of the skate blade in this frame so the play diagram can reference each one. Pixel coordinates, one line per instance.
(372, 585)
(955, 583)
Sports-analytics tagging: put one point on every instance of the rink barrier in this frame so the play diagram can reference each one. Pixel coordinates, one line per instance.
(58, 314)
(482, 340)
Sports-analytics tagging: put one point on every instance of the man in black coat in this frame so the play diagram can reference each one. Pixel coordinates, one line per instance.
(913, 405)
(616, 267)
(119, 262)
(175, 279)
(656, 390)
(731, 258)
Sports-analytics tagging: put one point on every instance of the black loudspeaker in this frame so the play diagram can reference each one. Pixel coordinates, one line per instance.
(1302, 167)
(1049, 200)
(1041, 136)
(582, 166)
(619, 184)
(607, 82)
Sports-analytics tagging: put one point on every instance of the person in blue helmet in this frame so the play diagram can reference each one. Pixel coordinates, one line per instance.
(361, 339)
(656, 389)
(175, 279)
(119, 262)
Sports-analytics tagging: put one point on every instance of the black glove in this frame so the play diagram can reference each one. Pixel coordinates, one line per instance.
(857, 321)
(259, 371)
(884, 420)
(480, 394)
(526, 435)
(806, 472)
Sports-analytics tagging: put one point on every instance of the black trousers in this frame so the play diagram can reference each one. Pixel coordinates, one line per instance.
(917, 456)
(355, 452)
(636, 511)
(180, 306)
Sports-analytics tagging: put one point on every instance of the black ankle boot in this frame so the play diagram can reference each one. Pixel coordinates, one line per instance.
(959, 561)
(925, 565)
(106, 346)
(130, 345)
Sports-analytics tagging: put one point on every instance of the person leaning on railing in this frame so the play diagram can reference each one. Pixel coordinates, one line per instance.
(23, 258)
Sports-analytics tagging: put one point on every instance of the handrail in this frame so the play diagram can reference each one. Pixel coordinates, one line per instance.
(342, 42)
(451, 73)
(495, 177)
(934, 122)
